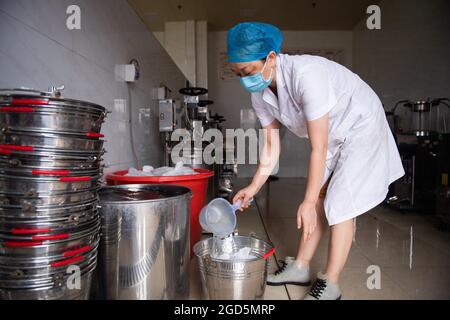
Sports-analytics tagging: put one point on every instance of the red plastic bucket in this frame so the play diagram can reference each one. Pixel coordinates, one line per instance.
(198, 184)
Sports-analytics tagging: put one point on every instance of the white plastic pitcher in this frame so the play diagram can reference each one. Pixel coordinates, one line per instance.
(219, 217)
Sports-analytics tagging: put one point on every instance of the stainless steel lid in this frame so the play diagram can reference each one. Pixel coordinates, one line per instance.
(50, 98)
(140, 193)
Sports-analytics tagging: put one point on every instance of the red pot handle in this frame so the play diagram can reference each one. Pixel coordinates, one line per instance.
(30, 231)
(94, 135)
(30, 101)
(51, 172)
(22, 244)
(269, 253)
(5, 151)
(75, 179)
(67, 262)
(77, 251)
(16, 109)
(16, 148)
(51, 237)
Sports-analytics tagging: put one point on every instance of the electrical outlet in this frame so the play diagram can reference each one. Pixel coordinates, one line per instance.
(144, 115)
(120, 109)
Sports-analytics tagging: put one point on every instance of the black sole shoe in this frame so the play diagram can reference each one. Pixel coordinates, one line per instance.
(300, 284)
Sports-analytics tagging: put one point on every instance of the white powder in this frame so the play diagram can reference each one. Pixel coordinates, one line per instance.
(223, 250)
(242, 254)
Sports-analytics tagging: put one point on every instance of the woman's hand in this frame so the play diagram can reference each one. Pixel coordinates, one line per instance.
(245, 195)
(307, 219)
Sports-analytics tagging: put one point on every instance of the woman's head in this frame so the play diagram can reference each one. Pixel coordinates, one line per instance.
(252, 50)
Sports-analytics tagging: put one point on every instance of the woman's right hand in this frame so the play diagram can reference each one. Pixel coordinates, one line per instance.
(245, 195)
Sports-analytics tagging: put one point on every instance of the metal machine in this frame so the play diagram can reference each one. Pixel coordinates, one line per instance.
(421, 140)
(194, 115)
(443, 189)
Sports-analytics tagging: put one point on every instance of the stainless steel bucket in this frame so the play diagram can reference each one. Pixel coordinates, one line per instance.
(144, 248)
(234, 279)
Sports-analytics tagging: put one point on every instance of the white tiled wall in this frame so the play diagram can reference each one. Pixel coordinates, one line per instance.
(38, 51)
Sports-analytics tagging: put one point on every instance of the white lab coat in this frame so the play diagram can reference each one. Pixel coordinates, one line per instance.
(362, 154)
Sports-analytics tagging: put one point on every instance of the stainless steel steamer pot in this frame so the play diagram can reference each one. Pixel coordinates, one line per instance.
(24, 185)
(47, 100)
(50, 142)
(33, 201)
(47, 161)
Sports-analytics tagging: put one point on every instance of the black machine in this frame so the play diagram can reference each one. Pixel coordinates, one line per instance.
(195, 115)
(443, 189)
(197, 110)
(423, 143)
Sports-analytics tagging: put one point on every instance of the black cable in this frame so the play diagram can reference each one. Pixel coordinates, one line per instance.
(130, 127)
(266, 230)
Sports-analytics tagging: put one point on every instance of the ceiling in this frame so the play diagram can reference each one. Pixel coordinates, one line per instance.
(286, 14)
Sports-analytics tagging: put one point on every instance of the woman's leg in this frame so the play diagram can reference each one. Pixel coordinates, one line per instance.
(307, 249)
(341, 239)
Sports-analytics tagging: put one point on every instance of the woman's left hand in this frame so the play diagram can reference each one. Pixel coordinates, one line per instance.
(307, 219)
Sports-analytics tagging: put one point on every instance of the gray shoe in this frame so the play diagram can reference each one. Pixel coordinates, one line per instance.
(324, 289)
(290, 273)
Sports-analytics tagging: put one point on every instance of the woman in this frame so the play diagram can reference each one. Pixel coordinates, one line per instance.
(353, 154)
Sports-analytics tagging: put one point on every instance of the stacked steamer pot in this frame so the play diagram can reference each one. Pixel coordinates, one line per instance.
(50, 170)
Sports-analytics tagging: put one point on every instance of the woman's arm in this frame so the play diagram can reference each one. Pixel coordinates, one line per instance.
(268, 160)
(318, 136)
(270, 154)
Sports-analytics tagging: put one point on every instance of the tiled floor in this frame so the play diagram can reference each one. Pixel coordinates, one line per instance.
(413, 256)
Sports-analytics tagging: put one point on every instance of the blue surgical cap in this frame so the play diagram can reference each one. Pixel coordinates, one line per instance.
(251, 41)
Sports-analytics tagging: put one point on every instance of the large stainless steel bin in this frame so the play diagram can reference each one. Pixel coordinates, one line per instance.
(144, 248)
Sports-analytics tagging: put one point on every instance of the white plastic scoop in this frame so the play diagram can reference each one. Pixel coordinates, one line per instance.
(219, 217)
